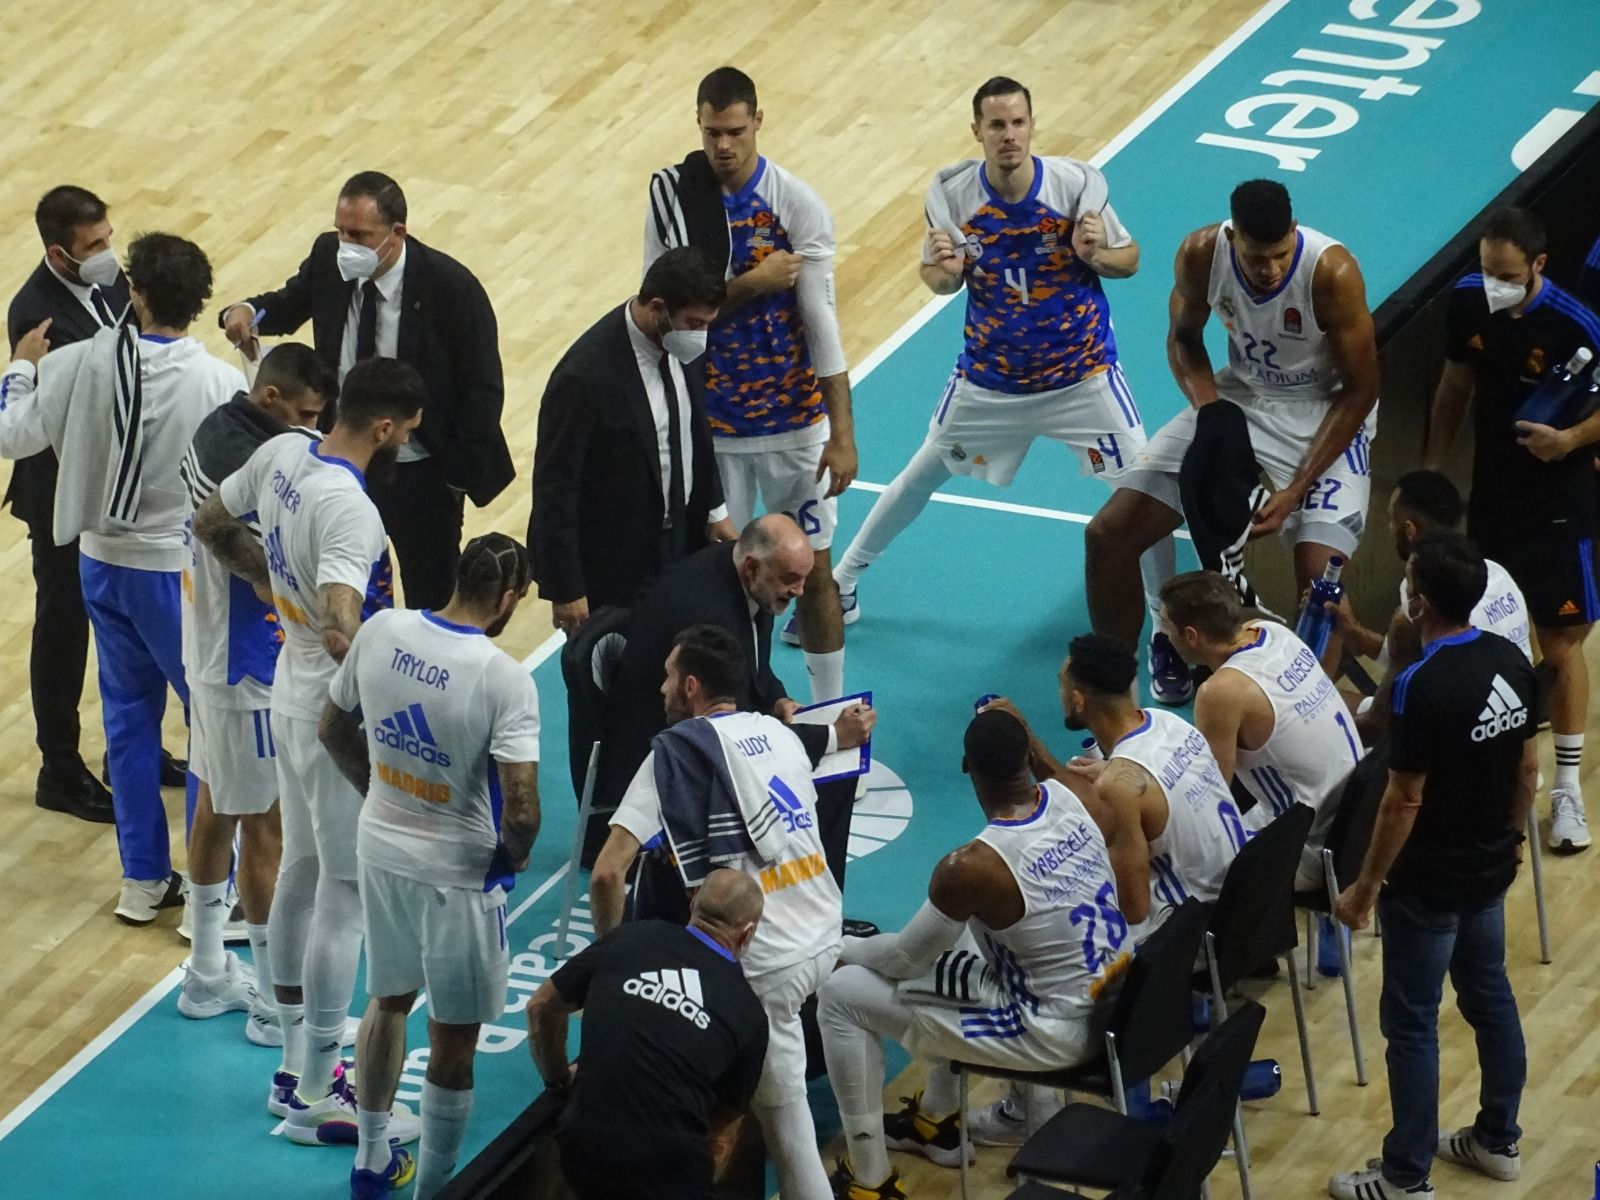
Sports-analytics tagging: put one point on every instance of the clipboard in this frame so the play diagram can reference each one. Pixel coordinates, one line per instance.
(841, 764)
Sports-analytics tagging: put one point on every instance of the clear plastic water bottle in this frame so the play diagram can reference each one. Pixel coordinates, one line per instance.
(1548, 404)
(1316, 622)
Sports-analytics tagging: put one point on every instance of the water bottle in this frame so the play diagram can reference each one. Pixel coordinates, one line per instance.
(1548, 403)
(986, 698)
(1262, 1078)
(1329, 963)
(1091, 749)
(1585, 401)
(1316, 622)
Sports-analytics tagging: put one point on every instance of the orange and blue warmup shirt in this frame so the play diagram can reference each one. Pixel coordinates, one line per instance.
(1037, 317)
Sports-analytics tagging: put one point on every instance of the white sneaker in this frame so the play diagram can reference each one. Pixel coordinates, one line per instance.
(997, 1124)
(142, 899)
(1569, 827)
(233, 991)
(261, 1025)
(234, 933)
(331, 1121)
(1463, 1147)
(1371, 1185)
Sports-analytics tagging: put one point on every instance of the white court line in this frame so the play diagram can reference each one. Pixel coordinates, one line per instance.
(1005, 506)
(553, 643)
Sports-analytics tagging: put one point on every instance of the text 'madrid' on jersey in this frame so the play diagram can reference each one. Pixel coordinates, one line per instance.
(1037, 316)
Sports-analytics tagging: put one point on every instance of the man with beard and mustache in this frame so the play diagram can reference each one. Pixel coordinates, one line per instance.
(449, 764)
(321, 560)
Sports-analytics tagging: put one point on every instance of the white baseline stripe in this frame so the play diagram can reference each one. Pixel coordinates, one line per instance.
(90, 1052)
(1023, 510)
(553, 643)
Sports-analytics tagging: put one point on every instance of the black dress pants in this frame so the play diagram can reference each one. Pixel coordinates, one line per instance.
(423, 519)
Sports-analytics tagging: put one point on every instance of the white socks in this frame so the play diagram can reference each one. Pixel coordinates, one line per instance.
(332, 955)
(791, 1138)
(208, 913)
(1157, 565)
(444, 1128)
(292, 1020)
(855, 1009)
(1569, 757)
(372, 1151)
(899, 505)
(827, 675)
(263, 961)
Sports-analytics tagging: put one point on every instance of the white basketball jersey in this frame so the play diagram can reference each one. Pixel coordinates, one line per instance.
(1052, 960)
(1275, 349)
(1313, 744)
(1203, 830)
(1502, 609)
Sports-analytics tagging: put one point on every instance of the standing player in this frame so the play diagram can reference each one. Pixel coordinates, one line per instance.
(777, 391)
(1031, 240)
(322, 547)
(1016, 894)
(773, 836)
(449, 767)
(1269, 712)
(1302, 364)
(1533, 486)
(230, 649)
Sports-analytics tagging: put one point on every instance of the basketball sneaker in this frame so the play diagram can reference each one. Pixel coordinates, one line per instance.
(1369, 1184)
(1569, 826)
(847, 1187)
(913, 1132)
(1463, 1147)
(281, 1092)
(1170, 680)
(373, 1185)
(261, 1025)
(233, 991)
(330, 1120)
(142, 899)
(1003, 1123)
(790, 632)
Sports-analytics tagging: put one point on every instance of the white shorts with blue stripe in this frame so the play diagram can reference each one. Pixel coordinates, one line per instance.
(232, 751)
(986, 434)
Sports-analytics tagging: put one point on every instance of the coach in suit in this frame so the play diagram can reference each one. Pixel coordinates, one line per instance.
(370, 289)
(624, 475)
(78, 288)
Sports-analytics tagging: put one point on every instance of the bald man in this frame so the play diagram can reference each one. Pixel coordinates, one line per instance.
(738, 586)
(672, 1046)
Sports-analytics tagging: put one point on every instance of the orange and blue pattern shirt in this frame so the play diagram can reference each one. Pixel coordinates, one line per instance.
(1037, 317)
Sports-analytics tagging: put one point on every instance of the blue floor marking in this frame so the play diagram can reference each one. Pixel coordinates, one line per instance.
(967, 601)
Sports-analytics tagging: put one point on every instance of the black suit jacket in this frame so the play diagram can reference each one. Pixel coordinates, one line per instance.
(701, 589)
(447, 332)
(595, 529)
(33, 479)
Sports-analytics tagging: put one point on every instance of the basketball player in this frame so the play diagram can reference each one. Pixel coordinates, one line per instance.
(1302, 364)
(1269, 712)
(777, 389)
(1010, 903)
(1422, 502)
(1030, 239)
(1533, 486)
(323, 556)
(762, 769)
(449, 767)
(230, 650)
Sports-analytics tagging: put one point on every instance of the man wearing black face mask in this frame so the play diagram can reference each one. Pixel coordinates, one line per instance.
(79, 289)
(372, 290)
(1532, 506)
(625, 481)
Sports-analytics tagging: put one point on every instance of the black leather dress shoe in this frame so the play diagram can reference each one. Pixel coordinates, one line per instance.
(174, 771)
(76, 792)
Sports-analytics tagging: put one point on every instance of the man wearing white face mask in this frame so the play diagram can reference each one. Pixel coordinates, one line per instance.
(1532, 507)
(371, 289)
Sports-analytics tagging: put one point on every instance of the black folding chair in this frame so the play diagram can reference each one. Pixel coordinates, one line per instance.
(1091, 1146)
(589, 664)
(1147, 1023)
(1189, 1147)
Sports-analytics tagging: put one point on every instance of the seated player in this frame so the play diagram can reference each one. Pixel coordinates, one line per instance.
(1269, 712)
(761, 818)
(998, 966)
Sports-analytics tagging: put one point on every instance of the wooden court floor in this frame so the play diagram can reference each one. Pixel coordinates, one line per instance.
(523, 135)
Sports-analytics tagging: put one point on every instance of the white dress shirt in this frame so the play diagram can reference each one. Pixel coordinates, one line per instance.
(648, 355)
(84, 293)
(388, 330)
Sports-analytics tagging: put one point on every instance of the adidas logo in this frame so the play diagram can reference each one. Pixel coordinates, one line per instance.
(1569, 609)
(1502, 712)
(408, 730)
(789, 806)
(674, 990)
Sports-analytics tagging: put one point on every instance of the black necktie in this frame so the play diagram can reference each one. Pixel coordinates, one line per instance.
(101, 308)
(675, 505)
(367, 326)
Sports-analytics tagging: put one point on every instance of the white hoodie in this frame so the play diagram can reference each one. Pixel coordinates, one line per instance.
(69, 405)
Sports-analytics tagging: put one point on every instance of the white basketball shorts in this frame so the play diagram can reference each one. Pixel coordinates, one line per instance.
(451, 941)
(757, 481)
(233, 752)
(986, 434)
